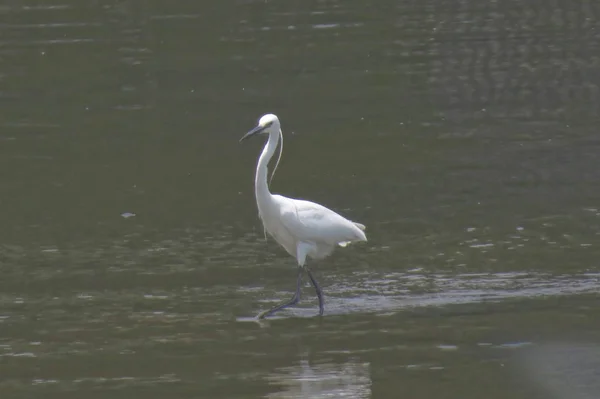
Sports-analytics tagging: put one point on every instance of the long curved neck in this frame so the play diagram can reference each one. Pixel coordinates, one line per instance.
(261, 185)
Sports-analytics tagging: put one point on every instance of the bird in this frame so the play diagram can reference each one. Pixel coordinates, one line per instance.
(304, 229)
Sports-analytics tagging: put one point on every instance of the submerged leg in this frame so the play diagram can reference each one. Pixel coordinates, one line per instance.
(318, 289)
(291, 302)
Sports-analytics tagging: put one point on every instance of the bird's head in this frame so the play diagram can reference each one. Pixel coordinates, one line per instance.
(267, 124)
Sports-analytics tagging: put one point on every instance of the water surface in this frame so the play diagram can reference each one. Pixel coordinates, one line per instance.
(463, 134)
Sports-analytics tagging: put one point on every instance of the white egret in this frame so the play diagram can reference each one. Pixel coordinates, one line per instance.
(303, 228)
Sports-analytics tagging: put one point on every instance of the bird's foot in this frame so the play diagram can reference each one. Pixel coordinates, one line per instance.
(262, 315)
(284, 305)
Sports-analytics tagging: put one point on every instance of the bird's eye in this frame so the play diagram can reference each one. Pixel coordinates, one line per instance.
(268, 124)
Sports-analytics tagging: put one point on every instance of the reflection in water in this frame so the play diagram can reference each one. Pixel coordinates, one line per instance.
(347, 380)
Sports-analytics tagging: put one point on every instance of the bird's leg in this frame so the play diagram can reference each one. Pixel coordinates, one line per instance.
(318, 289)
(291, 302)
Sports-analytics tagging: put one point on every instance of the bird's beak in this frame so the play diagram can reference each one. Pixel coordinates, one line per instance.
(252, 132)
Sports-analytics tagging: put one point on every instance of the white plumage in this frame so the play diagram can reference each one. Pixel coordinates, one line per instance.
(303, 228)
(298, 221)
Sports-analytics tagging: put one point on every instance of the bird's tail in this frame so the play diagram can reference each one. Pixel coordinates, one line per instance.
(360, 226)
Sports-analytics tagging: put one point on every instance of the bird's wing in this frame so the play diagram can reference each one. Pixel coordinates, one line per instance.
(308, 221)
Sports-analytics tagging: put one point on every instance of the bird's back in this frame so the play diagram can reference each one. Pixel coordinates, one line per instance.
(312, 222)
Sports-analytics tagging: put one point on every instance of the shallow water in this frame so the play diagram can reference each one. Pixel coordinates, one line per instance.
(463, 135)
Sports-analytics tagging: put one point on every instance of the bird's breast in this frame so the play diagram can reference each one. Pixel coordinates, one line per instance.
(277, 230)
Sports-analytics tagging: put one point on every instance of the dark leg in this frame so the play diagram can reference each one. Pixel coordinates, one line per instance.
(291, 302)
(318, 289)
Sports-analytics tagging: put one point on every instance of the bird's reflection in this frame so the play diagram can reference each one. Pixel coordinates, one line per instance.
(325, 380)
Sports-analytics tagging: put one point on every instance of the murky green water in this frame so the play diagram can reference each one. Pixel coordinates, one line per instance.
(463, 134)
